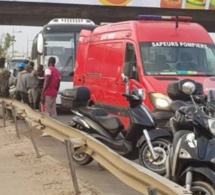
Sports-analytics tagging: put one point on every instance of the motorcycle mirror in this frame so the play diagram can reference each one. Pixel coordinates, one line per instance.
(188, 88)
(124, 78)
(140, 93)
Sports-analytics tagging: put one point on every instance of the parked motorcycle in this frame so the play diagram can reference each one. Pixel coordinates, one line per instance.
(142, 140)
(191, 159)
(202, 97)
(180, 99)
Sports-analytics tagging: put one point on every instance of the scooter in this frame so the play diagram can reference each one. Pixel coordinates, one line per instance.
(205, 102)
(180, 99)
(142, 140)
(191, 158)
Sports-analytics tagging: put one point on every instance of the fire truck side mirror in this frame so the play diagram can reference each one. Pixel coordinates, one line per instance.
(127, 70)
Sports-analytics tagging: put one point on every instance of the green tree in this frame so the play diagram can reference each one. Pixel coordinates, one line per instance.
(6, 40)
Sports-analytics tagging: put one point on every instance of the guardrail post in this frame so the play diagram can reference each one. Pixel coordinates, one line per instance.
(14, 113)
(70, 152)
(152, 191)
(29, 127)
(3, 113)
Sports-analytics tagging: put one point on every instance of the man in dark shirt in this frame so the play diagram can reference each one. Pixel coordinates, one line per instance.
(39, 86)
(23, 83)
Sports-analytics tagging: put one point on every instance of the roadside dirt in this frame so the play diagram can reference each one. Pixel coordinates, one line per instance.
(21, 173)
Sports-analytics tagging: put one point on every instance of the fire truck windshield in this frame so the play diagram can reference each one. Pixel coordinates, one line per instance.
(178, 58)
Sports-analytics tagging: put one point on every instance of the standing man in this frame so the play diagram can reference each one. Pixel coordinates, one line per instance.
(50, 88)
(4, 79)
(12, 79)
(23, 83)
(31, 91)
(39, 86)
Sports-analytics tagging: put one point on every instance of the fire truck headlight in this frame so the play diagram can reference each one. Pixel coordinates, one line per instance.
(160, 101)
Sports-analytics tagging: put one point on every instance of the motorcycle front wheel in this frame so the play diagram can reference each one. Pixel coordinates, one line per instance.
(82, 158)
(146, 159)
(202, 188)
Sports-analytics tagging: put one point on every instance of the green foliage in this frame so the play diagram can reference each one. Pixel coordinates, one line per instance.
(6, 40)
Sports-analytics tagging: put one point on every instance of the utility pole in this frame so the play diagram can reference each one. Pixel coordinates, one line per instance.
(28, 46)
(13, 32)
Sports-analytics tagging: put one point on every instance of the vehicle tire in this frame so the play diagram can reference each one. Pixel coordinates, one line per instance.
(82, 158)
(202, 188)
(145, 157)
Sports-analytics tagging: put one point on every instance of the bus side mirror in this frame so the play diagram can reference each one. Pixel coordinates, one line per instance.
(40, 43)
(127, 70)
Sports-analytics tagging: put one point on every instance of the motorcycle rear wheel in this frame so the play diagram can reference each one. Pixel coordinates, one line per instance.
(202, 188)
(82, 159)
(145, 157)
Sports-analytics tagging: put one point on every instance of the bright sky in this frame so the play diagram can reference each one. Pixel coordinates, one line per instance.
(213, 36)
(23, 35)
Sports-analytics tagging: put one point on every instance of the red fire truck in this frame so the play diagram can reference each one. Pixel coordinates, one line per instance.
(152, 51)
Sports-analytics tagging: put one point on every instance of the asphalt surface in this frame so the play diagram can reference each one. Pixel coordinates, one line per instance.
(104, 181)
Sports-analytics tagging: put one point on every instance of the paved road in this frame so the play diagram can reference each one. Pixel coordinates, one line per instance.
(102, 179)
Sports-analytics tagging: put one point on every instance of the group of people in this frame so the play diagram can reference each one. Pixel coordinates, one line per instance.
(27, 84)
(36, 87)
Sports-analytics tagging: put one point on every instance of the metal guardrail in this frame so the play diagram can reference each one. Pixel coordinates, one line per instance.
(132, 174)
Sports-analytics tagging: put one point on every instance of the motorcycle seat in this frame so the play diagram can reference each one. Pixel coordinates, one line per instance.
(110, 123)
(91, 112)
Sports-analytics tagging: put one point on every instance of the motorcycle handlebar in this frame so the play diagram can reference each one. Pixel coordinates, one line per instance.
(200, 99)
(211, 107)
(126, 94)
(181, 112)
(130, 96)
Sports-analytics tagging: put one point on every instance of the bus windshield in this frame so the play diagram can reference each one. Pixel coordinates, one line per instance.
(178, 58)
(62, 46)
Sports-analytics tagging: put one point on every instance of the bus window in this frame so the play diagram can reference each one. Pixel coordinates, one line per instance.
(56, 45)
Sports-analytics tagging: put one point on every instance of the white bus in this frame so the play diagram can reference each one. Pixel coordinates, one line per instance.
(59, 38)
